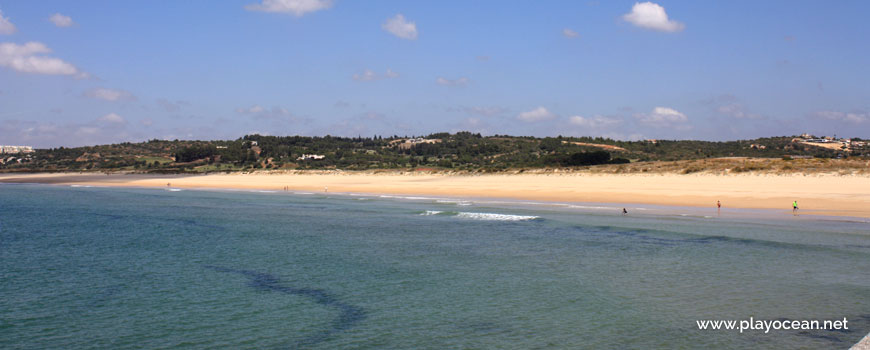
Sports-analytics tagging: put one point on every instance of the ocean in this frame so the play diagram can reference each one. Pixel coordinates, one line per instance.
(128, 268)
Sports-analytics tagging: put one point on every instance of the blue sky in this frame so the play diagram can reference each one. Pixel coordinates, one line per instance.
(93, 72)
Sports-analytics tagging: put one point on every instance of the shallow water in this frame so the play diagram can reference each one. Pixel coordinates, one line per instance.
(132, 268)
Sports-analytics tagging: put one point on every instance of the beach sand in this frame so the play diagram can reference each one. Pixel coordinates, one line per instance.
(816, 194)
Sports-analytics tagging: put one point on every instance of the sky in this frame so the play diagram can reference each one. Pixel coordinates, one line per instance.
(76, 73)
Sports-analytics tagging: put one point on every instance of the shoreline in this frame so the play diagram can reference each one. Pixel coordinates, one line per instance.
(825, 195)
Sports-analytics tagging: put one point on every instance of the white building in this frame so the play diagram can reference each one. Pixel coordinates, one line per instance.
(15, 149)
(311, 156)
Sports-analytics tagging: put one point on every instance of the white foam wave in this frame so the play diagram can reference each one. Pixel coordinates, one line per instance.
(174, 189)
(457, 202)
(83, 186)
(431, 212)
(592, 207)
(495, 217)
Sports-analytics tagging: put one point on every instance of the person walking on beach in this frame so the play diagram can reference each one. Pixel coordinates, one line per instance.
(718, 208)
(624, 212)
(794, 206)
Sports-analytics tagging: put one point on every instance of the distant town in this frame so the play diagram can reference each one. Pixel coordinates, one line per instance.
(15, 149)
(18, 151)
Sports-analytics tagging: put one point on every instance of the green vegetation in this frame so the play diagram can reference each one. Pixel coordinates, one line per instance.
(461, 151)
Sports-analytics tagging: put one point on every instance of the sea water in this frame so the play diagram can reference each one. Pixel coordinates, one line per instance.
(112, 268)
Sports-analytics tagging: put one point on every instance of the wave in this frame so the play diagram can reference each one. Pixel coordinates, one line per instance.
(593, 207)
(479, 216)
(495, 217)
(174, 189)
(408, 197)
(456, 202)
(83, 186)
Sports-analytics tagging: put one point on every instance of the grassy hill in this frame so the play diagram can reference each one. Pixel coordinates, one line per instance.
(462, 151)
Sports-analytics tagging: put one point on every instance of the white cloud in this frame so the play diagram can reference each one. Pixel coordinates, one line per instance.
(851, 117)
(452, 82)
(568, 33)
(593, 122)
(110, 94)
(400, 27)
(297, 8)
(662, 116)
(737, 110)
(251, 110)
(112, 118)
(275, 114)
(26, 59)
(729, 105)
(6, 27)
(61, 20)
(650, 15)
(369, 75)
(537, 114)
(171, 106)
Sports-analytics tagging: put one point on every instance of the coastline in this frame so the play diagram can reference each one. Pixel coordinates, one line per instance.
(817, 194)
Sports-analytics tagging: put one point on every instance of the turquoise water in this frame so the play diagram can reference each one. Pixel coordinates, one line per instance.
(96, 268)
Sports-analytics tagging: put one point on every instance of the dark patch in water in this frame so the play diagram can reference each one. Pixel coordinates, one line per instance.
(816, 335)
(106, 294)
(640, 234)
(152, 220)
(858, 327)
(349, 317)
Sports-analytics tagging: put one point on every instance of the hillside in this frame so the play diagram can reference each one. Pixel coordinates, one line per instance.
(462, 151)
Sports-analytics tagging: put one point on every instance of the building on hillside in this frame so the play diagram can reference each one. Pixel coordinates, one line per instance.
(311, 156)
(408, 143)
(15, 149)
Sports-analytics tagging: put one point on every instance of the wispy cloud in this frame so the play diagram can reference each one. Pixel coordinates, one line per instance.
(112, 118)
(536, 115)
(171, 106)
(60, 20)
(662, 117)
(849, 117)
(297, 8)
(652, 16)
(729, 105)
(110, 94)
(595, 122)
(401, 27)
(452, 82)
(6, 26)
(568, 33)
(481, 110)
(275, 114)
(370, 75)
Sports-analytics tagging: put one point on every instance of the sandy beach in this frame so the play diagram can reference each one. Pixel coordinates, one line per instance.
(816, 194)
